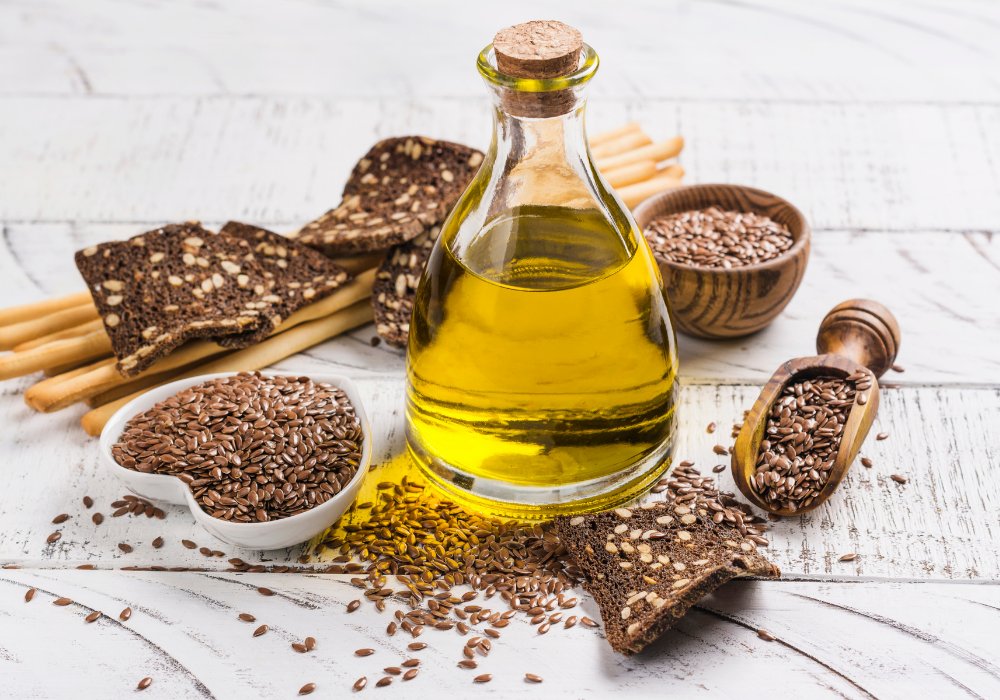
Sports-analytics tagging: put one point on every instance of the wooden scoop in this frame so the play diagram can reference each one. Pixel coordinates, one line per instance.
(858, 336)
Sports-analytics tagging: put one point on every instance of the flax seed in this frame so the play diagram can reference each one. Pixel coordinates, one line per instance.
(247, 617)
(62, 601)
(97, 518)
(353, 605)
(307, 688)
(468, 663)
(144, 683)
(865, 461)
(532, 678)
(766, 636)
(60, 518)
(29, 595)
(55, 536)
(484, 678)
(382, 682)
(411, 674)
(125, 614)
(899, 479)
(364, 652)
(882, 436)
(410, 663)
(848, 557)
(416, 646)
(88, 502)
(93, 616)
(260, 630)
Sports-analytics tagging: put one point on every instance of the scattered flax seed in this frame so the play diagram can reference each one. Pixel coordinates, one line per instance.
(361, 683)
(720, 450)
(687, 463)
(898, 368)
(899, 479)
(484, 678)
(711, 427)
(88, 502)
(125, 547)
(382, 682)
(544, 628)
(410, 663)
(532, 678)
(93, 616)
(353, 605)
(301, 648)
(364, 652)
(307, 688)
(719, 468)
(410, 675)
(247, 617)
(157, 543)
(97, 518)
(121, 511)
(468, 663)
(60, 518)
(766, 636)
(491, 633)
(62, 601)
(144, 683)
(391, 629)
(53, 537)
(86, 567)
(125, 614)
(848, 557)
(29, 595)
(570, 621)
(866, 462)
(189, 544)
(393, 670)
(882, 436)
(260, 630)
(310, 643)
(587, 621)
(265, 591)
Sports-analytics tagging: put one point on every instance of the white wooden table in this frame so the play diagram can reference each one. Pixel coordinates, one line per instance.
(881, 121)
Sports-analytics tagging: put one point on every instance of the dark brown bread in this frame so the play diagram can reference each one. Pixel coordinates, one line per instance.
(669, 554)
(164, 287)
(395, 287)
(295, 274)
(399, 189)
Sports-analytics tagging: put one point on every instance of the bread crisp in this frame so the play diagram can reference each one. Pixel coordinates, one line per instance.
(647, 565)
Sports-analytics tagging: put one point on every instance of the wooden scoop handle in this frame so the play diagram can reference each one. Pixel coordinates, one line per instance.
(862, 330)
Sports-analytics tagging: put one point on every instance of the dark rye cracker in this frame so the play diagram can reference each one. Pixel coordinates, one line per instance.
(395, 287)
(295, 274)
(164, 287)
(399, 189)
(647, 565)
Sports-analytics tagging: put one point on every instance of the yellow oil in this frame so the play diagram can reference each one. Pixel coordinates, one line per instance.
(541, 363)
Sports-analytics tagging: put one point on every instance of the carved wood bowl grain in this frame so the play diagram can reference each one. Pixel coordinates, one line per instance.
(728, 303)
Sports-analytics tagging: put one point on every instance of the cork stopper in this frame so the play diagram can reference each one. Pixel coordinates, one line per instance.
(538, 50)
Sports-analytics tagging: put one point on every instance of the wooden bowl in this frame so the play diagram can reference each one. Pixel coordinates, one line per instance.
(728, 303)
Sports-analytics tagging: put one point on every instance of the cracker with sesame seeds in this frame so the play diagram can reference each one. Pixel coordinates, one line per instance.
(162, 288)
(395, 287)
(647, 565)
(295, 276)
(402, 187)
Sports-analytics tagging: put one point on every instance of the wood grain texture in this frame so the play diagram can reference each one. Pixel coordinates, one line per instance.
(943, 440)
(117, 159)
(862, 641)
(890, 51)
(718, 303)
(941, 286)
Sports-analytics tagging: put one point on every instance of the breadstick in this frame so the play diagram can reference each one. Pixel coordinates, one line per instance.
(134, 386)
(60, 352)
(630, 174)
(74, 364)
(628, 142)
(27, 312)
(605, 136)
(58, 397)
(274, 349)
(633, 194)
(674, 170)
(45, 384)
(656, 152)
(15, 334)
(74, 332)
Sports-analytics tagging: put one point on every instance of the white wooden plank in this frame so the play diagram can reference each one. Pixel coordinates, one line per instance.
(909, 641)
(885, 51)
(934, 527)
(942, 287)
(285, 159)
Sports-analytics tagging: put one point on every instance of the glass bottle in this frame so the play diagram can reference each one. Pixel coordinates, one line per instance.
(542, 360)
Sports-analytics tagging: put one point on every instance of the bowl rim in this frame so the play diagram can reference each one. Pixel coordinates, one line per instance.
(142, 403)
(801, 242)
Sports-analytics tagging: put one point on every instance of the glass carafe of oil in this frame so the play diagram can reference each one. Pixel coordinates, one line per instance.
(542, 361)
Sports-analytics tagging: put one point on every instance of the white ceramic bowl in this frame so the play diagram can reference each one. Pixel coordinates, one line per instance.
(165, 488)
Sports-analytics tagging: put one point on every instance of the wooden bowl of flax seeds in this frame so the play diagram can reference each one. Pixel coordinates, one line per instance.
(731, 257)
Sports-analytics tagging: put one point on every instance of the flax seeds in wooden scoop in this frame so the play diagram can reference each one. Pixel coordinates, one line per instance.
(807, 426)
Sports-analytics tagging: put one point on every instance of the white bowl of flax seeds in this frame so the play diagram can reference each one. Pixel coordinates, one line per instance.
(264, 461)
